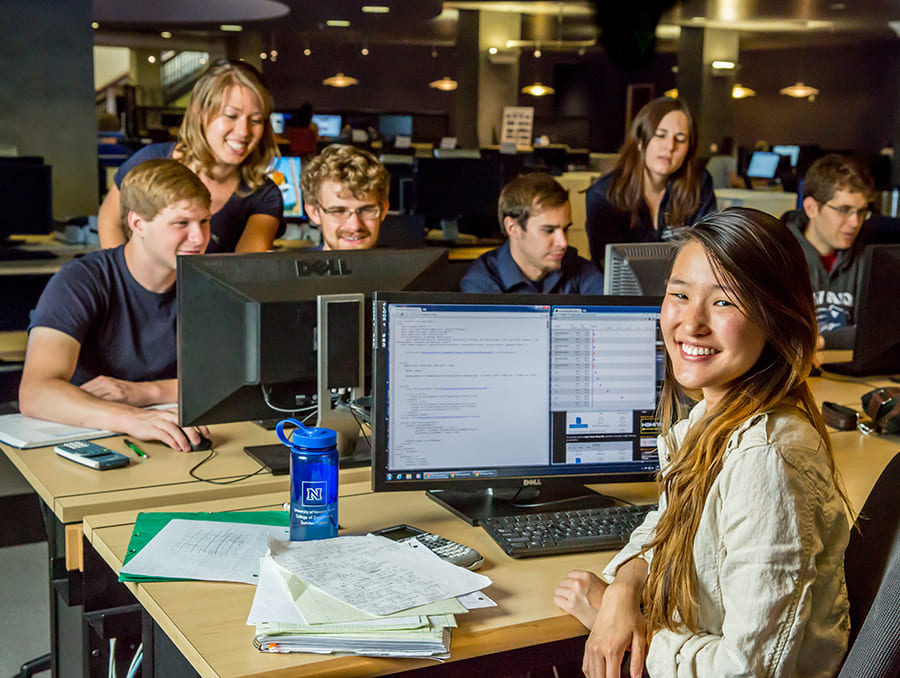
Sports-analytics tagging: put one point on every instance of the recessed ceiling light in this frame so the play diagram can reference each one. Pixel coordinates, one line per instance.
(376, 9)
(263, 55)
(724, 65)
(338, 23)
(165, 34)
(492, 50)
(233, 28)
(307, 52)
(364, 51)
(151, 59)
(95, 25)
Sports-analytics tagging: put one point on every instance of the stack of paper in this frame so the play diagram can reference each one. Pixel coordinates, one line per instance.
(360, 595)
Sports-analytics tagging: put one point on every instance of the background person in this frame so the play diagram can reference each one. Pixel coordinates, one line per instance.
(740, 570)
(836, 193)
(101, 342)
(345, 192)
(655, 187)
(226, 138)
(535, 215)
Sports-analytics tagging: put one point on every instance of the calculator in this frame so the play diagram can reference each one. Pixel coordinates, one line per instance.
(451, 551)
(91, 454)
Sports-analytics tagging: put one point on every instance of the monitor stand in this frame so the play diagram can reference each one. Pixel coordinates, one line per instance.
(475, 505)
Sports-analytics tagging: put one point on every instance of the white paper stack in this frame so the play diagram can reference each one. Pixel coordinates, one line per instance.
(367, 596)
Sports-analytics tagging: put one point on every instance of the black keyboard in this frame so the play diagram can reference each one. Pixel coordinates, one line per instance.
(545, 534)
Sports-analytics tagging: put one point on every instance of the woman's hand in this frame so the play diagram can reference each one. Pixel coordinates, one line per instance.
(580, 594)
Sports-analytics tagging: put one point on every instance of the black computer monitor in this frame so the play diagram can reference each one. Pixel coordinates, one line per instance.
(248, 325)
(636, 268)
(876, 347)
(285, 172)
(329, 126)
(461, 189)
(29, 209)
(392, 126)
(475, 395)
(278, 121)
(793, 152)
(763, 165)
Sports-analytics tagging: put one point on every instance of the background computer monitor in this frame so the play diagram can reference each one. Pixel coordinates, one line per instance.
(636, 268)
(876, 347)
(793, 152)
(285, 173)
(29, 209)
(763, 165)
(328, 125)
(247, 324)
(462, 189)
(392, 126)
(278, 120)
(477, 398)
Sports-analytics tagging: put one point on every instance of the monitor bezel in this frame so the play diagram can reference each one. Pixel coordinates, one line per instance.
(543, 482)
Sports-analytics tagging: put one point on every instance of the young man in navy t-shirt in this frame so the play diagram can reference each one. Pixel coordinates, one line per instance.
(101, 342)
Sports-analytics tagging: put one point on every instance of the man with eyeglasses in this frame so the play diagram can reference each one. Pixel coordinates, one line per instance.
(345, 192)
(836, 194)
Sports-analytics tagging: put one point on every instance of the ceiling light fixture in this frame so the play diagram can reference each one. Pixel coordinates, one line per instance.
(445, 84)
(538, 89)
(338, 23)
(151, 59)
(165, 35)
(231, 28)
(273, 55)
(340, 80)
(738, 91)
(364, 51)
(799, 91)
(95, 25)
(263, 55)
(671, 93)
(307, 51)
(723, 65)
(492, 50)
(375, 9)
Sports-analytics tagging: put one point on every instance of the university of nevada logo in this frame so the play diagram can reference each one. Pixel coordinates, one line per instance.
(314, 493)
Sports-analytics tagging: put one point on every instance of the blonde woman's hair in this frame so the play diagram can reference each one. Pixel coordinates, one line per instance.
(756, 258)
(155, 184)
(207, 99)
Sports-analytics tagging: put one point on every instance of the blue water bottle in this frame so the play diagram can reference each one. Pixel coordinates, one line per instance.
(314, 481)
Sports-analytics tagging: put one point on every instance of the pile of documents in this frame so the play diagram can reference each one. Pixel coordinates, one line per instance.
(360, 595)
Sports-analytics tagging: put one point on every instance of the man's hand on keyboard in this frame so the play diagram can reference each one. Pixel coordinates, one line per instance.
(580, 595)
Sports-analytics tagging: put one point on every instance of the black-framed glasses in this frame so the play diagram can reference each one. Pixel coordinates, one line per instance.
(846, 211)
(367, 213)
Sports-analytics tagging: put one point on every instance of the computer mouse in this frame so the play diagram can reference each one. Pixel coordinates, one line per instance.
(204, 444)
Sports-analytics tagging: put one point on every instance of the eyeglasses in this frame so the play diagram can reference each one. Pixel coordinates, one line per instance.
(846, 210)
(367, 213)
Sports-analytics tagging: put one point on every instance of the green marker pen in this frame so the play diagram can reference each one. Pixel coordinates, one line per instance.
(134, 448)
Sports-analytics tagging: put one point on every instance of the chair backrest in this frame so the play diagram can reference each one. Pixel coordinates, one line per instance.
(872, 566)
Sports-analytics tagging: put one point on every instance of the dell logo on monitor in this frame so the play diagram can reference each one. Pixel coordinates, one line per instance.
(527, 482)
(323, 267)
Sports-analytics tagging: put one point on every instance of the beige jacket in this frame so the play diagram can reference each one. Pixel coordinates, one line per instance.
(769, 557)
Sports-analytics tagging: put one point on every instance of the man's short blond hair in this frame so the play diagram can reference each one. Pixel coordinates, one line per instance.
(153, 185)
(355, 169)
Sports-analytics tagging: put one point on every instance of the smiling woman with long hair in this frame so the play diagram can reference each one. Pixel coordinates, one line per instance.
(656, 187)
(740, 570)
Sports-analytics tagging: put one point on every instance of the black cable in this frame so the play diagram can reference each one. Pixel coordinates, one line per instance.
(212, 453)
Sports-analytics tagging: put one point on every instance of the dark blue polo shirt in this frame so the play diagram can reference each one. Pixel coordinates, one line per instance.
(496, 271)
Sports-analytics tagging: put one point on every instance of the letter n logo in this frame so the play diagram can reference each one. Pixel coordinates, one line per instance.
(313, 493)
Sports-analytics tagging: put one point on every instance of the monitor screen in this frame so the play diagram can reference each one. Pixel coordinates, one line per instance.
(278, 120)
(328, 125)
(285, 173)
(247, 324)
(763, 165)
(637, 268)
(482, 392)
(464, 189)
(392, 126)
(793, 152)
(29, 210)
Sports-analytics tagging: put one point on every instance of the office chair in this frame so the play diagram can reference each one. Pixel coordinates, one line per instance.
(872, 567)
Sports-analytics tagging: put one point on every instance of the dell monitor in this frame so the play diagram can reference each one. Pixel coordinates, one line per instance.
(763, 165)
(484, 399)
(876, 345)
(329, 126)
(636, 268)
(29, 209)
(250, 341)
(392, 126)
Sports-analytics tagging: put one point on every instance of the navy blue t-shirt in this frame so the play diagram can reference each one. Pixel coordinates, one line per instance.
(227, 225)
(497, 272)
(125, 331)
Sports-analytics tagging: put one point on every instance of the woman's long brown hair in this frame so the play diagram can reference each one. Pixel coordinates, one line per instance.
(758, 259)
(627, 189)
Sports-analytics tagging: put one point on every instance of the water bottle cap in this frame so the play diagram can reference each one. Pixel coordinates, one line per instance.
(308, 437)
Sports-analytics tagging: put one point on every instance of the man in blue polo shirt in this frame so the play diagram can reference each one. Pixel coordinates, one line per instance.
(535, 215)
